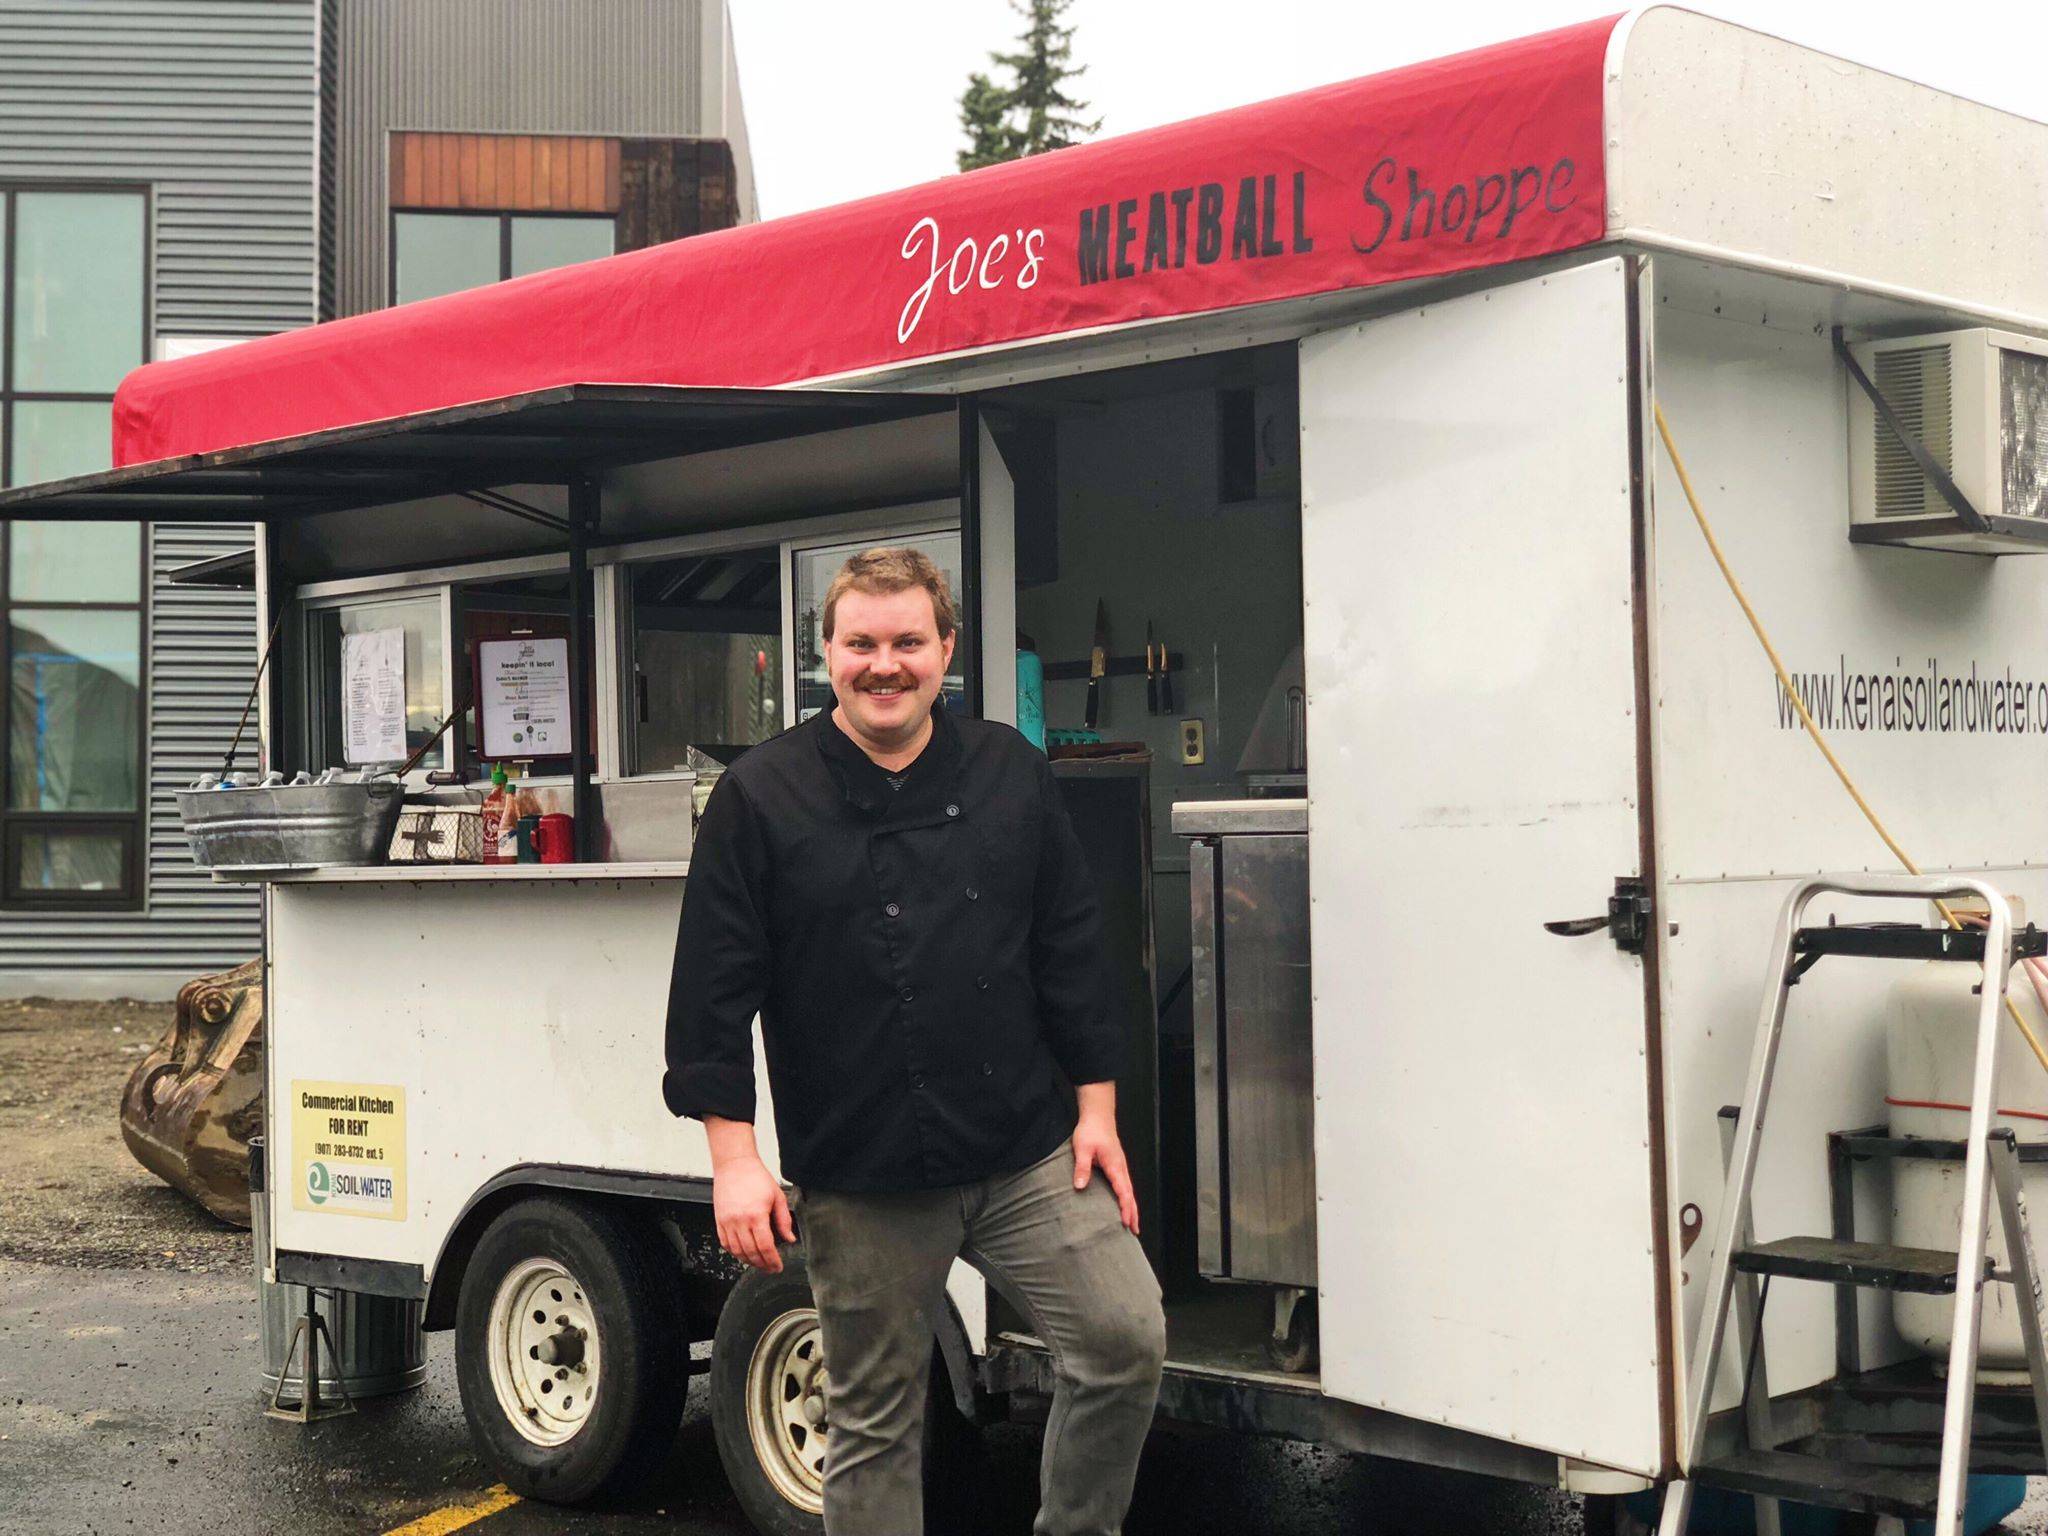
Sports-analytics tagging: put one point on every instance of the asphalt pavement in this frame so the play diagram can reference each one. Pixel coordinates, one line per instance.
(129, 1401)
(130, 1370)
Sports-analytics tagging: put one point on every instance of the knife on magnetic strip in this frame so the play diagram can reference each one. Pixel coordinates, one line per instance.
(1098, 665)
(1151, 674)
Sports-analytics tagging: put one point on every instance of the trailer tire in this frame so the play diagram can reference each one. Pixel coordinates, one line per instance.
(767, 1344)
(601, 1298)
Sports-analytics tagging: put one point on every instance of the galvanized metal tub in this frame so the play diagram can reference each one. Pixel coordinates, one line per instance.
(291, 826)
(378, 1345)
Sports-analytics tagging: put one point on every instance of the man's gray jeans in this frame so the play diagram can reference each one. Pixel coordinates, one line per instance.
(878, 1266)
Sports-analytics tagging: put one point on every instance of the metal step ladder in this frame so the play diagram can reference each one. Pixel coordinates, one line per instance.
(1761, 1468)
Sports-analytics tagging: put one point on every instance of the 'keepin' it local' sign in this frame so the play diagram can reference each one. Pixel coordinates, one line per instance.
(1484, 158)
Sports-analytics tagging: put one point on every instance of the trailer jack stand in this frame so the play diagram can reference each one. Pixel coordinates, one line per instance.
(312, 1328)
(1292, 1345)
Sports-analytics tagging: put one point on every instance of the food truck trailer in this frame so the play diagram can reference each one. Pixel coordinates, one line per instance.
(1442, 845)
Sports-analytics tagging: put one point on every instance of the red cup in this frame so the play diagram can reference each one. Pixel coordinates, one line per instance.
(556, 838)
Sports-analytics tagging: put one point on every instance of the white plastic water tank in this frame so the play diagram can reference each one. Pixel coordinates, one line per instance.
(1930, 1046)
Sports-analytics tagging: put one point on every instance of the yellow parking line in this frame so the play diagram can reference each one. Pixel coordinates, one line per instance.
(441, 1521)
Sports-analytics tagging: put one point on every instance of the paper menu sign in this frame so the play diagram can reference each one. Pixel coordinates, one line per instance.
(373, 696)
(525, 697)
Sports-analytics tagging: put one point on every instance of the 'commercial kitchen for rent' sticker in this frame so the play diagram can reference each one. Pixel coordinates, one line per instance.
(348, 1149)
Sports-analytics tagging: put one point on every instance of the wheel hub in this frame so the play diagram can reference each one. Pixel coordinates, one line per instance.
(787, 1417)
(544, 1351)
(563, 1348)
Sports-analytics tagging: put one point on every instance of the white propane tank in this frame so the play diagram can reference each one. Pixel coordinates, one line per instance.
(1930, 1049)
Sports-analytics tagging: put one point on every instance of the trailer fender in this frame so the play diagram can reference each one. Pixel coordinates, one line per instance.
(444, 1282)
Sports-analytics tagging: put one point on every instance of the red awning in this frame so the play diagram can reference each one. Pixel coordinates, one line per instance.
(1486, 157)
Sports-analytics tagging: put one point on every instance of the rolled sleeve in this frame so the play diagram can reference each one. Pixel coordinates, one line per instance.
(722, 964)
(1069, 966)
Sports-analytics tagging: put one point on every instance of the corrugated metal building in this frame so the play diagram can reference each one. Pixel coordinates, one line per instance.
(198, 117)
(627, 71)
(183, 173)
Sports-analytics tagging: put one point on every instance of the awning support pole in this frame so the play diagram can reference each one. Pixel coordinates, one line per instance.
(273, 598)
(970, 552)
(585, 500)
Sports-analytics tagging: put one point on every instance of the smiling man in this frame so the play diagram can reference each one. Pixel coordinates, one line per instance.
(899, 896)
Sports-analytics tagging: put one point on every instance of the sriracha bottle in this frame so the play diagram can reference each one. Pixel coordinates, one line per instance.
(494, 813)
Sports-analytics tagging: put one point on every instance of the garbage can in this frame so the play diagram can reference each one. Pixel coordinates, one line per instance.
(377, 1343)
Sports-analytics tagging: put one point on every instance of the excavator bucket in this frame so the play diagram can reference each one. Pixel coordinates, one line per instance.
(193, 1102)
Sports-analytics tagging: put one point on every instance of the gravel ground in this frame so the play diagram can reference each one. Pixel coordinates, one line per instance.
(73, 1195)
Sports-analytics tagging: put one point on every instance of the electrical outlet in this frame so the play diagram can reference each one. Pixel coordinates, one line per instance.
(1192, 750)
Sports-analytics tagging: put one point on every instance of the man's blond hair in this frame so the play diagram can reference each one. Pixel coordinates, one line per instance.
(881, 572)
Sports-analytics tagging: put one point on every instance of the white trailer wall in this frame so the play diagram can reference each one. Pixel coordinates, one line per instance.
(1483, 1160)
(519, 1021)
(1758, 405)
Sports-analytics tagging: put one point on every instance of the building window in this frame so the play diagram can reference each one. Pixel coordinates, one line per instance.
(73, 320)
(437, 253)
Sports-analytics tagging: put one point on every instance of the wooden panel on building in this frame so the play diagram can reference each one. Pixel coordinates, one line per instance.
(505, 172)
(669, 188)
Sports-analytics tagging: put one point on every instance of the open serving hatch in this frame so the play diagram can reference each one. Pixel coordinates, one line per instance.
(552, 471)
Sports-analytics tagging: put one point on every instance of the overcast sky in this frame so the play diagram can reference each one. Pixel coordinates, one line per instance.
(849, 97)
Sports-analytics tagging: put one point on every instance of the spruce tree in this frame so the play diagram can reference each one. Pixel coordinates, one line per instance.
(1042, 67)
(984, 116)
(1035, 113)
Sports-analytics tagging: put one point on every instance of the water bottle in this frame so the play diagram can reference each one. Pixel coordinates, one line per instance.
(1031, 697)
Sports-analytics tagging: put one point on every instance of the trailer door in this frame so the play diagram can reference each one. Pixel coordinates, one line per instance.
(1482, 1120)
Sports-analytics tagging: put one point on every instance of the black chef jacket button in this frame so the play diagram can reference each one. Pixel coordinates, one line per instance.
(952, 810)
(987, 1070)
(981, 982)
(917, 1079)
(973, 894)
(893, 910)
(907, 994)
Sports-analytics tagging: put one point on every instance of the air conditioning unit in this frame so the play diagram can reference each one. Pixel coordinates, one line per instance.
(1978, 402)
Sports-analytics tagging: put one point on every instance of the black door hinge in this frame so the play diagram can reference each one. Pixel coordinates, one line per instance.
(1629, 913)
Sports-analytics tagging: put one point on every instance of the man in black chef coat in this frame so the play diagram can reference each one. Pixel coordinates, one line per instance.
(901, 898)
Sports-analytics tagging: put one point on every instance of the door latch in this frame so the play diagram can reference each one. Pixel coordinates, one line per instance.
(1629, 912)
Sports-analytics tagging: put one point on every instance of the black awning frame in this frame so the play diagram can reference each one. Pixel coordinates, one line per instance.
(564, 436)
(558, 436)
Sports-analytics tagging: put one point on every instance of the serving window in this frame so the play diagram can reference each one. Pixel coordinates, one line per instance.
(812, 568)
(703, 656)
(514, 666)
(722, 640)
(704, 645)
(377, 678)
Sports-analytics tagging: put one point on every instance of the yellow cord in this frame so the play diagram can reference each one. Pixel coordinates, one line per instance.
(1785, 682)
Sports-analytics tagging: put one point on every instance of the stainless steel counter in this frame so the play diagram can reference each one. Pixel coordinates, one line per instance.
(434, 874)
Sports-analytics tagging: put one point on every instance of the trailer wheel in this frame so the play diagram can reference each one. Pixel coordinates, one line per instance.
(569, 1350)
(768, 1378)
